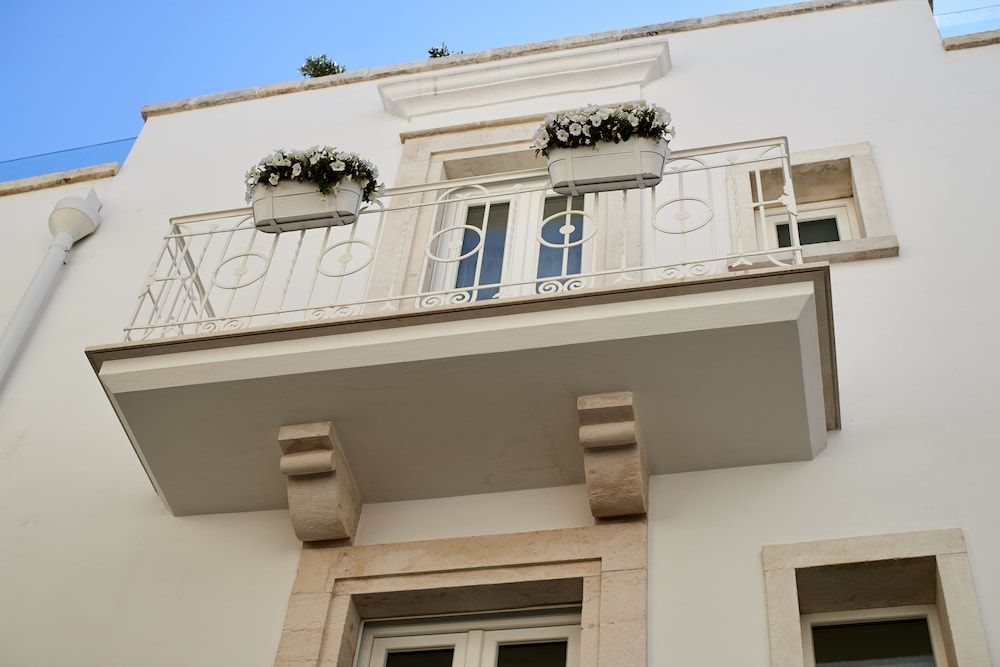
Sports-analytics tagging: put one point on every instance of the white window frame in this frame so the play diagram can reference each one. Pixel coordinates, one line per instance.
(382, 646)
(843, 210)
(476, 638)
(927, 612)
(524, 218)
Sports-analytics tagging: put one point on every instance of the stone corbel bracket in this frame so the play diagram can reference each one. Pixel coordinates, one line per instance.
(323, 498)
(613, 458)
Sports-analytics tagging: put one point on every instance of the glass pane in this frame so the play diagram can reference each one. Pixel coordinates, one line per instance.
(549, 654)
(562, 231)
(810, 231)
(491, 268)
(438, 657)
(885, 644)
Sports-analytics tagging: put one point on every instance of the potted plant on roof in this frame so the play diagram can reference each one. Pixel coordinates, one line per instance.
(319, 187)
(593, 149)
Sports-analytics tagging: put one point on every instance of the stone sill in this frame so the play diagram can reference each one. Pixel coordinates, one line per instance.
(856, 250)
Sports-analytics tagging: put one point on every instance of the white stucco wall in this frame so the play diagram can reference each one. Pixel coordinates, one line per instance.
(96, 572)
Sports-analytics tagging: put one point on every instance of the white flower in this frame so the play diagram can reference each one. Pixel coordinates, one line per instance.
(562, 135)
(632, 120)
(296, 170)
(338, 165)
(273, 180)
(586, 130)
(596, 120)
(576, 129)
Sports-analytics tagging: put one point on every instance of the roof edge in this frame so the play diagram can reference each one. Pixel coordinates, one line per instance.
(972, 40)
(433, 64)
(55, 179)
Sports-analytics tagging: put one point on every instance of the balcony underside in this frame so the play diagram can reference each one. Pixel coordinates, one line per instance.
(728, 371)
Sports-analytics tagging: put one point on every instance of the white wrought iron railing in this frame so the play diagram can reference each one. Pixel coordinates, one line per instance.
(473, 239)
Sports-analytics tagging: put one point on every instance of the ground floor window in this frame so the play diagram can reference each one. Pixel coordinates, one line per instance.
(889, 637)
(549, 638)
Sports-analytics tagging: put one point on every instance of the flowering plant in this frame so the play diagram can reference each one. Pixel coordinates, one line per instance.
(325, 166)
(589, 125)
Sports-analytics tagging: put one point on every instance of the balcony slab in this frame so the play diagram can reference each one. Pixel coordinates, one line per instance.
(731, 370)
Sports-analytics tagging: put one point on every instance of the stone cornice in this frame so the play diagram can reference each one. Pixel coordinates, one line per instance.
(93, 173)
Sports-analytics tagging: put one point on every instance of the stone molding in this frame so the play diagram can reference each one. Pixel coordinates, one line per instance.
(953, 591)
(974, 40)
(323, 498)
(601, 569)
(614, 460)
(56, 179)
(591, 68)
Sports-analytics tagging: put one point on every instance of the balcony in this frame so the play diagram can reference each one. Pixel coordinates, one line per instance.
(449, 332)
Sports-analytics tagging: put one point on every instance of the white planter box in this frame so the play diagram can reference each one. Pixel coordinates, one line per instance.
(291, 206)
(636, 163)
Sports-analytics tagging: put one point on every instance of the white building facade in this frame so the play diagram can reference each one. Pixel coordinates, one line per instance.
(622, 428)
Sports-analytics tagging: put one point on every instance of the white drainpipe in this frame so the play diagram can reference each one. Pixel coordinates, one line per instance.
(70, 220)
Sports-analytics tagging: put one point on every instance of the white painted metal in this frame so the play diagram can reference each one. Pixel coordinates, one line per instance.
(636, 163)
(221, 273)
(291, 206)
(71, 219)
(32, 301)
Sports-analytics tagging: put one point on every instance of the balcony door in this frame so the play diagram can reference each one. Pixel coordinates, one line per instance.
(507, 239)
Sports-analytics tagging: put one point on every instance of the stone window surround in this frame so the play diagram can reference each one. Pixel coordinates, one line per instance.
(601, 569)
(876, 239)
(956, 603)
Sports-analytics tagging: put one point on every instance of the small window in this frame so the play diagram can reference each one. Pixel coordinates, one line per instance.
(890, 637)
(821, 230)
(818, 223)
(435, 657)
(526, 639)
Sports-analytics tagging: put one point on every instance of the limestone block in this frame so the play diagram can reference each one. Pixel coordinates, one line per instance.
(303, 631)
(622, 644)
(614, 461)
(323, 498)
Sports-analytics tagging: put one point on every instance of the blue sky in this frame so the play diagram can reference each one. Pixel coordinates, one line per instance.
(77, 73)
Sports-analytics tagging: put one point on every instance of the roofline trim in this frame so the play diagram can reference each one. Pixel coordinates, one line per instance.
(432, 64)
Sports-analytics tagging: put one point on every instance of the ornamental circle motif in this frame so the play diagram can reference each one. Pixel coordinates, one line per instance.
(242, 275)
(473, 251)
(346, 257)
(686, 221)
(567, 228)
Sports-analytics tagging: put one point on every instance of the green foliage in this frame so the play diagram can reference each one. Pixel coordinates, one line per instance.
(441, 51)
(321, 66)
(326, 166)
(590, 125)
